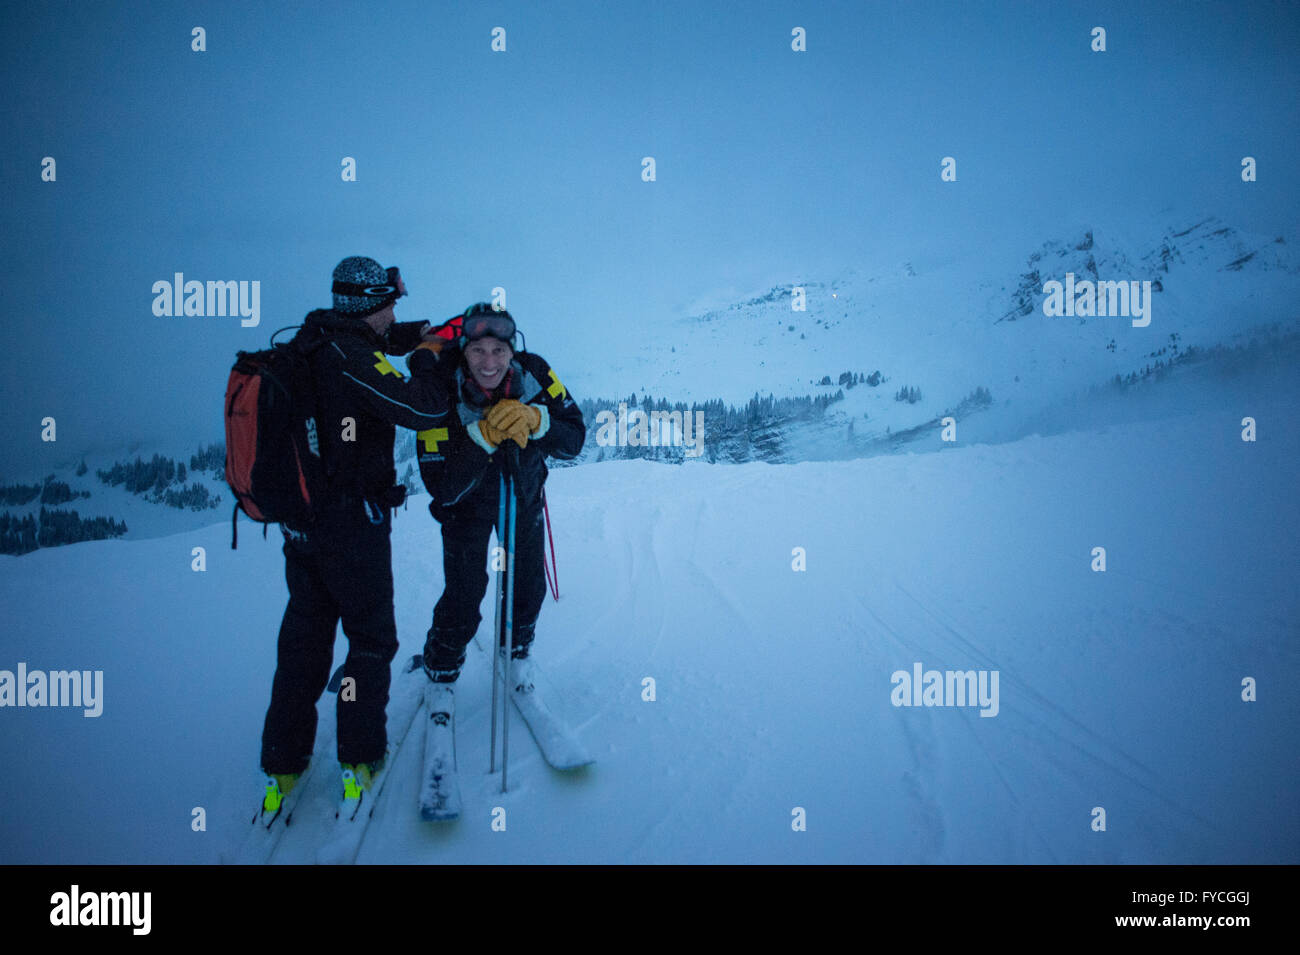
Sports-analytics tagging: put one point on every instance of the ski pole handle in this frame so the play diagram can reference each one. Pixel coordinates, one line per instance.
(512, 459)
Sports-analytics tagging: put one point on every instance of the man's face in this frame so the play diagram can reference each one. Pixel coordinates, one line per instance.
(488, 360)
(382, 319)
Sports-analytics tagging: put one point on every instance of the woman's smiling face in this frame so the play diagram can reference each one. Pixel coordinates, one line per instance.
(488, 360)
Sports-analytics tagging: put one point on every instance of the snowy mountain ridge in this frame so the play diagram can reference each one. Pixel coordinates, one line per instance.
(949, 325)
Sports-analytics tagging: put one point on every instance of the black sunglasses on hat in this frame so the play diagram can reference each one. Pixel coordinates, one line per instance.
(394, 289)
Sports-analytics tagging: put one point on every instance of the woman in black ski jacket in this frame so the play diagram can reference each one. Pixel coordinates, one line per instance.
(508, 408)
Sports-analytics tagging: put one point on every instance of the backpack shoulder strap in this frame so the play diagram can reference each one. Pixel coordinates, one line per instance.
(308, 344)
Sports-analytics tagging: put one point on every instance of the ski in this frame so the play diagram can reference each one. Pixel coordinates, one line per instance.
(353, 815)
(268, 828)
(439, 789)
(559, 746)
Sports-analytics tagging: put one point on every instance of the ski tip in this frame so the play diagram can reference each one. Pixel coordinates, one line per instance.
(573, 765)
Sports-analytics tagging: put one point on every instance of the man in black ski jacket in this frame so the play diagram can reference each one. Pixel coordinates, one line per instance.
(503, 402)
(340, 567)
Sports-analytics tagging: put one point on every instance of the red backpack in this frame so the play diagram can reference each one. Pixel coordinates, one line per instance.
(273, 462)
(450, 329)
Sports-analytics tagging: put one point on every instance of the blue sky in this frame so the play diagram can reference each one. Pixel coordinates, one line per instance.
(522, 169)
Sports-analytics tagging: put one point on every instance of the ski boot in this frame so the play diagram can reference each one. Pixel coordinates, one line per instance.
(521, 669)
(278, 785)
(358, 777)
(442, 662)
(277, 788)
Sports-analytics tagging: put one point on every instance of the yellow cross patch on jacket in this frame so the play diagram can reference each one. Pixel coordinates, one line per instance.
(384, 367)
(429, 439)
(555, 389)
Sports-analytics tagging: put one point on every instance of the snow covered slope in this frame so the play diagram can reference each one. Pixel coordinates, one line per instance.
(949, 322)
(1119, 690)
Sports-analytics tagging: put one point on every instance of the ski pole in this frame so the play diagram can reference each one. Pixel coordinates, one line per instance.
(496, 624)
(512, 459)
(555, 587)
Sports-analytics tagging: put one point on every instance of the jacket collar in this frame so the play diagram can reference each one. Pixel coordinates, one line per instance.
(332, 323)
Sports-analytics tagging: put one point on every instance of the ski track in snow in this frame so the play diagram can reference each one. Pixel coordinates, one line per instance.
(1023, 704)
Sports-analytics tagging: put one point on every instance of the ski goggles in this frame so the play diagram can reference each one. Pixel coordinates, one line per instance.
(488, 325)
(395, 288)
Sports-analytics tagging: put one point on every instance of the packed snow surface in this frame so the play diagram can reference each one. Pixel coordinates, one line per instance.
(773, 688)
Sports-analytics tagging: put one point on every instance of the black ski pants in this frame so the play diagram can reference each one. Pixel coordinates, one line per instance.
(339, 569)
(465, 538)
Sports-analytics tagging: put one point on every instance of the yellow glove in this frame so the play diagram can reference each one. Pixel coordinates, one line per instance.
(490, 434)
(519, 434)
(517, 419)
